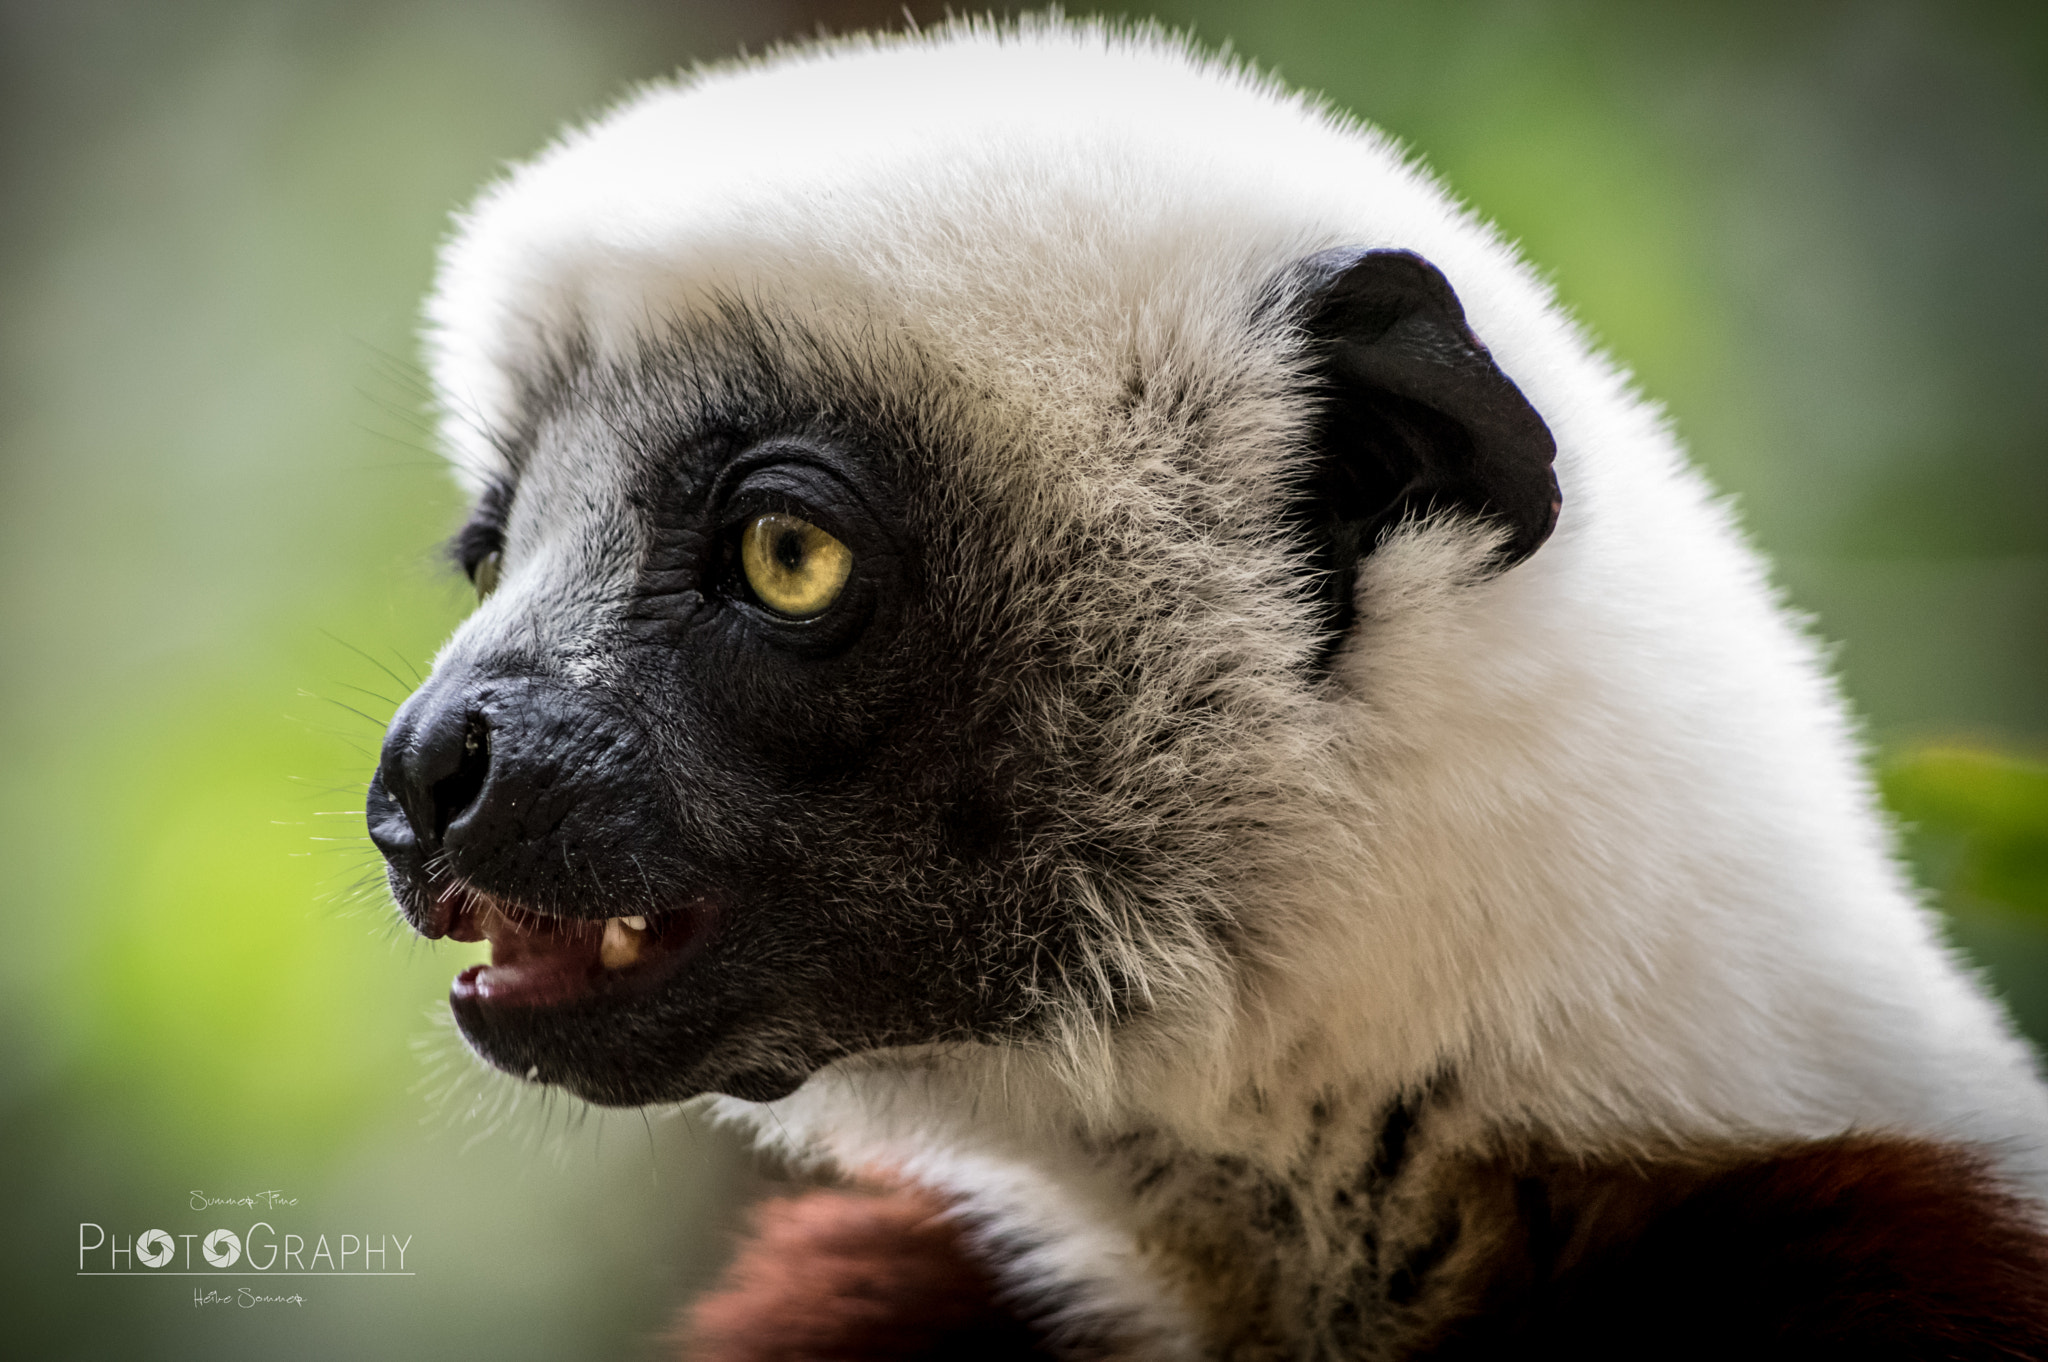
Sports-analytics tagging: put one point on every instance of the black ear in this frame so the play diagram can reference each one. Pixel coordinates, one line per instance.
(1416, 418)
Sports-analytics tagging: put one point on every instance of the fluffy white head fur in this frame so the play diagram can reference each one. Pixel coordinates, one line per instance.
(1592, 833)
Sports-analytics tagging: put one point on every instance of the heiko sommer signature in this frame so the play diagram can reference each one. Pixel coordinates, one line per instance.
(245, 1299)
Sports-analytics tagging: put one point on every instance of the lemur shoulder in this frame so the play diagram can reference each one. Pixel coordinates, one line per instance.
(1063, 630)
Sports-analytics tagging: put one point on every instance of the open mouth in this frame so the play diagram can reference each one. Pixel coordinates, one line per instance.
(539, 960)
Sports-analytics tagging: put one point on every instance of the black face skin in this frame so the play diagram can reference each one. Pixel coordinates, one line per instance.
(862, 829)
(818, 816)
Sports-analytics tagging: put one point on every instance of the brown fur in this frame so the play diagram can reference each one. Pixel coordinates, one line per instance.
(1855, 1247)
(851, 1276)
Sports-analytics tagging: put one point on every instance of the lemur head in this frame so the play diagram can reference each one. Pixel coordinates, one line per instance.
(922, 495)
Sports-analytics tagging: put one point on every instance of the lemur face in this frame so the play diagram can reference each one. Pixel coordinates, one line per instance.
(824, 699)
(726, 766)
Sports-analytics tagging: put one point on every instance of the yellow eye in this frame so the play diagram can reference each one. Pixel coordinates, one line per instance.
(486, 574)
(793, 566)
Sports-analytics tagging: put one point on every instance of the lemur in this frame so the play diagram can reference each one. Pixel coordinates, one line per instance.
(1061, 630)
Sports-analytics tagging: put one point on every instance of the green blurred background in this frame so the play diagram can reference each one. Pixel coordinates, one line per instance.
(1818, 233)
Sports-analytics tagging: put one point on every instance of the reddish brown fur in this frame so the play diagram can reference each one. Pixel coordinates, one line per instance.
(1842, 1248)
(850, 1276)
(1855, 1247)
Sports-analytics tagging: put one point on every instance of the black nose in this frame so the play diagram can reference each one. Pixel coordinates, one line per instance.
(436, 760)
(519, 787)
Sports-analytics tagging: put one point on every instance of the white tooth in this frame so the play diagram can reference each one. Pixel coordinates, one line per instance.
(621, 945)
(636, 922)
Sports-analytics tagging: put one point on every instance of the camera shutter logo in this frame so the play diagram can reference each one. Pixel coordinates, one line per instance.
(155, 1248)
(222, 1248)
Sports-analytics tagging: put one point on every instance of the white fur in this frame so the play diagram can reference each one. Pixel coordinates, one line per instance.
(1594, 831)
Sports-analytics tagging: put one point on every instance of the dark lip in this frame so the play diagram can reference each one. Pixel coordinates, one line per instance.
(542, 960)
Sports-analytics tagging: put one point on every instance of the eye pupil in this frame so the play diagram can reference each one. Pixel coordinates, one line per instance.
(789, 550)
(793, 567)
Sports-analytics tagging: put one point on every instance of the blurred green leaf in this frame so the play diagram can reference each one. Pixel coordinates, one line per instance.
(1978, 822)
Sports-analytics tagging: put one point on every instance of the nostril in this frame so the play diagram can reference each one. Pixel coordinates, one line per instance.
(437, 760)
(456, 791)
